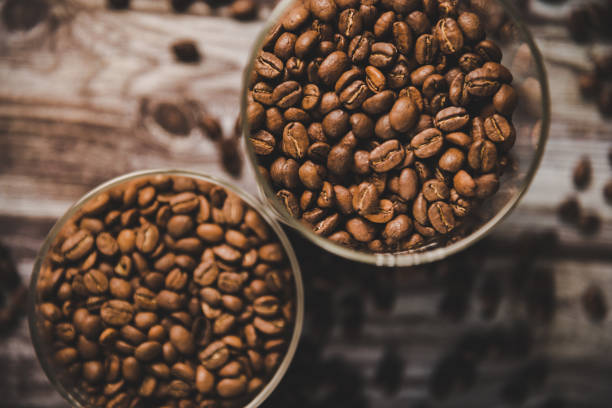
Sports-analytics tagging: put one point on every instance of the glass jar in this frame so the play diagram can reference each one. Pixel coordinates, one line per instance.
(39, 325)
(531, 121)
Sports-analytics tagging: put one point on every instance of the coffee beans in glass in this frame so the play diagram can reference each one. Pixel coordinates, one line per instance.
(393, 132)
(166, 288)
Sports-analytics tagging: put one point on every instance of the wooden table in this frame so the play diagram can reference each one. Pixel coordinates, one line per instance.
(77, 92)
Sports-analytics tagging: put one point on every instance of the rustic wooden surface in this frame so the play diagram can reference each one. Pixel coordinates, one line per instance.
(76, 95)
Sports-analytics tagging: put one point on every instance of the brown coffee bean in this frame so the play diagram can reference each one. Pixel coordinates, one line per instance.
(398, 76)
(441, 216)
(402, 36)
(482, 82)
(77, 245)
(582, 173)
(295, 140)
(458, 92)
(287, 94)
(486, 185)
(427, 143)
(360, 230)
(353, 96)
(232, 387)
(306, 43)
(214, 356)
(451, 119)
(347, 78)
(339, 161)
(336, 123)
(179, 226)
(169, 300)
(482, 156)
(382, 214)
(116, 312)
(498, 129)
(397, 229)
(359, 48)
(350, 22)
(332, 67)
(362, 125)
(426, 49)
(403, 115)
(365, 200)
(449, 36)
(464, 184)
(505, 100)
(488, 51)
(375, 80)
(470, 26)
(311, 175)
(379, 103)
(451, 160)
(382, 54)
(268, 65)
(283, 48)
(386, 156)
(148, 351)
(383, 25)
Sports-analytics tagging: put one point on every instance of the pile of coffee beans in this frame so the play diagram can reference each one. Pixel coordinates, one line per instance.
(168, 292)
(381, 124)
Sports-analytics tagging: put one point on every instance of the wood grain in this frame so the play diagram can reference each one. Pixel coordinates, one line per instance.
(77, 96)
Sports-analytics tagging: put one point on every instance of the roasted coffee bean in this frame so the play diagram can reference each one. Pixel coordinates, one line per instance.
(268, 65)
(441, 217)
(470, 26)
(295, 140)
(359, 48)
(426, 49)
(379, 103)
(382, 55)
(582, 173)
(427, 143)
(451, 119)
(386, 156)
(486, 185)
(498, 129)
(403, 115)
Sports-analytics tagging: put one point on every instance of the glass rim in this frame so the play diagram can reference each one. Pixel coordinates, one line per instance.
(398, 259)
(272, 222)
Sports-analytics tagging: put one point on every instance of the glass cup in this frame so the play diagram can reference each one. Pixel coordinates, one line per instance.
(531, 119)
(39, 326)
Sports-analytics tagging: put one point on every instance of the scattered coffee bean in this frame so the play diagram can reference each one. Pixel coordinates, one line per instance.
(399, 118)
(164, 303)
(594, 303)
(186, 51)
(569, 210)
(243, 10)
(582, 173)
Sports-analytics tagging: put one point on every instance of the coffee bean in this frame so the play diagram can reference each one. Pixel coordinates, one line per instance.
(361, 230)
(451, 119)
(379, 103)
(386, 156)
(332, 67)
(582, 173)
(427, 143)
(116, 312)
(426, 49)
(441, 217)
(470, 26)
(350, 22)
(498, 129)
(359, 48)
(486, 185)
(449, 36)
(452, 160)
(403, 115)
(295, 140)
(268, 65)
(382, 54)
